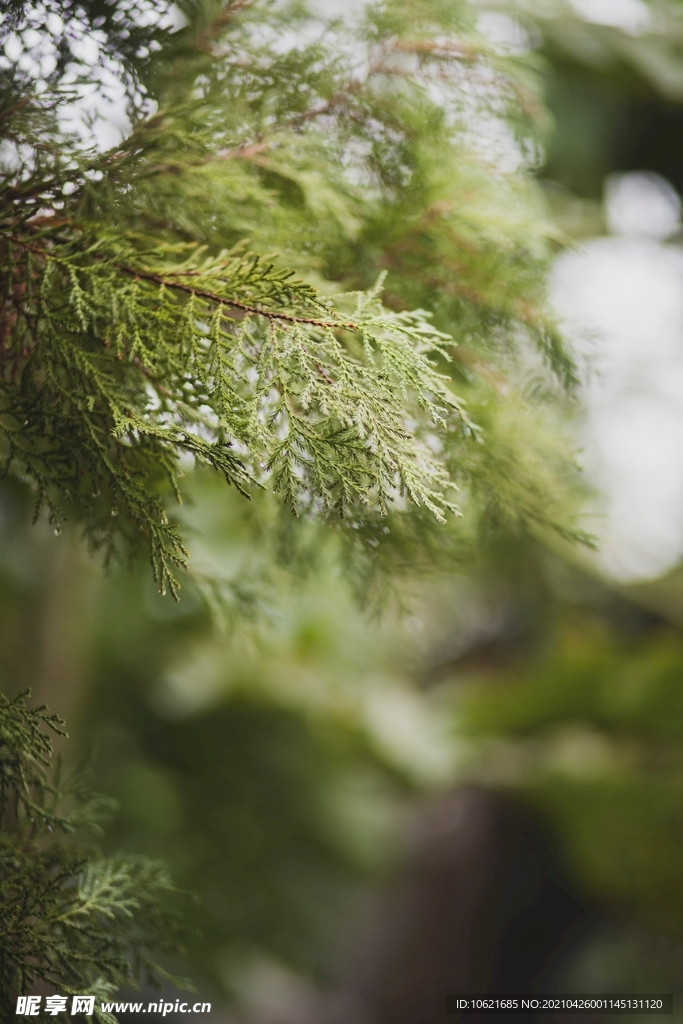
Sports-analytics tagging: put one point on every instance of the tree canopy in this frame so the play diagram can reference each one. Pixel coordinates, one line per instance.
(145, 320)
(314, 263)
(71, 920)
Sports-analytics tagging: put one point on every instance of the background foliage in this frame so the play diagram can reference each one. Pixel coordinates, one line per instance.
(144, 321)
(73, 921)
(263, 735)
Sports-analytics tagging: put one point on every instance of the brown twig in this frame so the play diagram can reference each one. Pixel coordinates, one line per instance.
(146, 275)
(245, 307)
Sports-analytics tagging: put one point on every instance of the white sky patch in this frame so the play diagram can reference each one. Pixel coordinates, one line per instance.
(642, 205)
(337, 8)
(632, 16)
(99, 114)
(622, 298)
(507, 34)
(173, 19)
(494, 140)
(98, 110)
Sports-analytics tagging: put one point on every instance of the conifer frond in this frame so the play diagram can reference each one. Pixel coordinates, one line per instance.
(119, 354)
(143, 325)
(72, 920)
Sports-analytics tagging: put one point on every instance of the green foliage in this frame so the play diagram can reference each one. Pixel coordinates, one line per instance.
(71, 919)
(285, 400)
(613, 86)
(607, 770)
(270, 771)
(143, 321)
(583, 719)
(309, 267)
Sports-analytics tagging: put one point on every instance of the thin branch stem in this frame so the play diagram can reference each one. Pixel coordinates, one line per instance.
(245, 307)
(202, 293)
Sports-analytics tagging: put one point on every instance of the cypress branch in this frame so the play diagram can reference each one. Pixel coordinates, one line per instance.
(72, 920)
(140, 324)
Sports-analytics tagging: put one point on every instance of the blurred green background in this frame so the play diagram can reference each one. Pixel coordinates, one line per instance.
(276, 764)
